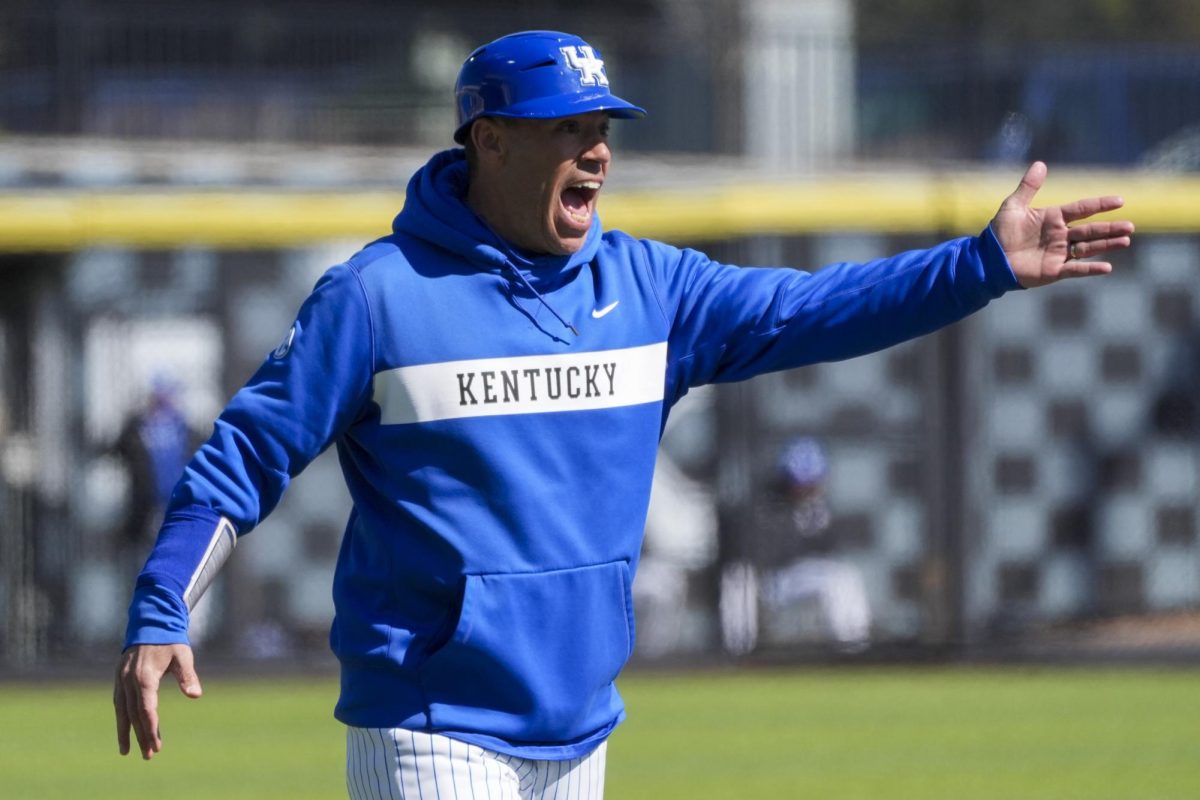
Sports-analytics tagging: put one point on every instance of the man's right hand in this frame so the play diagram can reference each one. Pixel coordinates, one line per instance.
(135, 691)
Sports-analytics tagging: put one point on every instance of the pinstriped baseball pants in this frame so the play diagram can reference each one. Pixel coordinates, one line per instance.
(398, 764)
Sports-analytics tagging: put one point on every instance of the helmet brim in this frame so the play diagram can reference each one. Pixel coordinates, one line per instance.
(559, 106)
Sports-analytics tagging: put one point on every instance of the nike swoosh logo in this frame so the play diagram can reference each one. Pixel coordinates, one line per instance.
(597, 313)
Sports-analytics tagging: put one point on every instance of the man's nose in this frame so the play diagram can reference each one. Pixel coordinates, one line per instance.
(598, 153)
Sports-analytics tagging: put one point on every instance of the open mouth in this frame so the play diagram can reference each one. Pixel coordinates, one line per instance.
(578, 200)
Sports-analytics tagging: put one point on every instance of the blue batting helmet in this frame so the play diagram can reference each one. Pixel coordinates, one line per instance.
(534, 75)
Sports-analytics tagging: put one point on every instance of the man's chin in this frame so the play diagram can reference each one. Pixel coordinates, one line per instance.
(569, 247)
(570, 240)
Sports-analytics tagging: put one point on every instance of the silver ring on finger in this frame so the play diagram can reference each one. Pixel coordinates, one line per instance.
(1073, 250)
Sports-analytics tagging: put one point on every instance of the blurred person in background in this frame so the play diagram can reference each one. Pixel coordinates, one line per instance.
(790, 559)
(495, 375)
(154, 445)
(813, 570)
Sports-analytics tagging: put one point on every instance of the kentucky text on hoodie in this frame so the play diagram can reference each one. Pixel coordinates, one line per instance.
(499, 463)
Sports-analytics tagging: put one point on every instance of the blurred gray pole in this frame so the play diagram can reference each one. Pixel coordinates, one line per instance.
(942, 587)
(798, 79)
(17, 456)
(740, 432)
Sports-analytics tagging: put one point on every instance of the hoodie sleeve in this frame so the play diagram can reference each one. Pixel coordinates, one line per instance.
(303, 397)
(731, 323)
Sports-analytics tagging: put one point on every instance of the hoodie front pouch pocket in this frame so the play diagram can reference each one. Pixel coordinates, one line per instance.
(534, 655)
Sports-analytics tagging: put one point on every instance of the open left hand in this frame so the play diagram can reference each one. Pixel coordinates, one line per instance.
(135, 691)
(1040, 243)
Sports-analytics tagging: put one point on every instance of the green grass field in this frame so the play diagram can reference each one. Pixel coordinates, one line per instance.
(883, 733)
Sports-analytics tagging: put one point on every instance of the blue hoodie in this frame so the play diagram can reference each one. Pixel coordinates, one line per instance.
(499, 463)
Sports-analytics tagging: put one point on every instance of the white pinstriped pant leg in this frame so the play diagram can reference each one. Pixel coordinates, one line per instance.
(398, 764)
(578, 779)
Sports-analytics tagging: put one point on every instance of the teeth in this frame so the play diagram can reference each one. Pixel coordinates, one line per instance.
(586, 185)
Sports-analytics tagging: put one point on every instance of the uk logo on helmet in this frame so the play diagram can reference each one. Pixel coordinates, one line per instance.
(583, 59)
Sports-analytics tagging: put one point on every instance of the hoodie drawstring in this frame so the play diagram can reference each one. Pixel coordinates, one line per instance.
(521, 277)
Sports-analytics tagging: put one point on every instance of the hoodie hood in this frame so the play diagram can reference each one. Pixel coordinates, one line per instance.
(436, 211)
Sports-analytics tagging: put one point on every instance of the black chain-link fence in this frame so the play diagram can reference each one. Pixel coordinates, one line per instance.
(1024, 482)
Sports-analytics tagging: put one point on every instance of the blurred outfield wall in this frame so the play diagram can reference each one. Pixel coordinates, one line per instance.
(1022, 483)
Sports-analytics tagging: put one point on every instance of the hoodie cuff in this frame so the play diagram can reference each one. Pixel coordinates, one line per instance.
(158, 613)
(998, 273)
(156, 616)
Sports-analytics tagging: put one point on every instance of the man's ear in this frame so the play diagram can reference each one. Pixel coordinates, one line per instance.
(488, 137)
